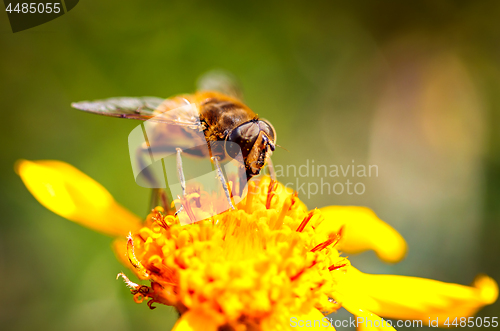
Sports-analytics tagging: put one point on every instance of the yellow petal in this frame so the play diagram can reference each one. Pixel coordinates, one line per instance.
(402, 297)
(362, 231)
(71, 194)
(310, 320)
(192, 321)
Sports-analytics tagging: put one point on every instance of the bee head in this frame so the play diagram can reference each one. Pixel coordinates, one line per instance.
(256, 140)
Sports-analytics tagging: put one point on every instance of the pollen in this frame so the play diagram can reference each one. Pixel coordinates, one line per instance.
(242, 266)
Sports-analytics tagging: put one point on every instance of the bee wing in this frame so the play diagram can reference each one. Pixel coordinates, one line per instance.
(125, 107)
(177, 110)
(220, 81)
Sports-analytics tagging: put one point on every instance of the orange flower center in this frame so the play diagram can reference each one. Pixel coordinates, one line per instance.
(242, 266)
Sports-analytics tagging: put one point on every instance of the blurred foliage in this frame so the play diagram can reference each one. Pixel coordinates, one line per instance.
(318, 71)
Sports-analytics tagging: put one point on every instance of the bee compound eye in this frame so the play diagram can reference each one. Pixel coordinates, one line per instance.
(268, 129)
(242, 138)
(232, 149)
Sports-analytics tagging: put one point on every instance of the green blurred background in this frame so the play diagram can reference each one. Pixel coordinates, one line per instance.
(411, 88)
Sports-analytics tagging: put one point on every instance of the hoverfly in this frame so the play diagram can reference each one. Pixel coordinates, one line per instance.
(215, 112)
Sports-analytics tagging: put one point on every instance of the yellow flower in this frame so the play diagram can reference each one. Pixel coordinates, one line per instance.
(270, 264)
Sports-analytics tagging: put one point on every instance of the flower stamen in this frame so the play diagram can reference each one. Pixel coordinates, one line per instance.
(293, 278)
(250, 195)
(284, 210)
(132, 258)
(335, 267)
(334, 239)
(159, 219)
(306, 220)
(271, 192)
(187, 207)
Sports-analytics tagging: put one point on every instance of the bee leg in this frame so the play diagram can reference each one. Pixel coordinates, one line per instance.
(223, 181)
(180, 175)
(270, 168)
(181, 208)
(180, 172)
(158, 196)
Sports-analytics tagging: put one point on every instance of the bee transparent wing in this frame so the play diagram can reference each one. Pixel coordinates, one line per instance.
(141, 108)
(177, 110)
(220, 81)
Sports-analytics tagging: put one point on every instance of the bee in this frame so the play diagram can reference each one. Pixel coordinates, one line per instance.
(215, 111)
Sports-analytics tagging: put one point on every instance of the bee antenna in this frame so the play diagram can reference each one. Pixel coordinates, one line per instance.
(282, 147)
